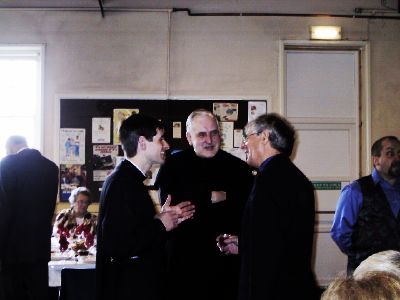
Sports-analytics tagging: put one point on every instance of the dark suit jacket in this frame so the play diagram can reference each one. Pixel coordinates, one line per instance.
(127, 229)
(276, 241)
(30, 182)
(194, 260)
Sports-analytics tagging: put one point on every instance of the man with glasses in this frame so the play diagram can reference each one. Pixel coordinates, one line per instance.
(218, 184)
(276, 239)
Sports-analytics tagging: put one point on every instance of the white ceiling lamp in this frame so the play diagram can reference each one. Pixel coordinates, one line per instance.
(326, 32)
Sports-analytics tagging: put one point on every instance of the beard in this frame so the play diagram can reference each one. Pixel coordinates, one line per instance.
(394, 169)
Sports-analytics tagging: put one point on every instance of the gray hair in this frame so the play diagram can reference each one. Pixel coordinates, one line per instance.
(385, 261)
(15, 143)
(202, 113)
(281, 132)
(79, 190)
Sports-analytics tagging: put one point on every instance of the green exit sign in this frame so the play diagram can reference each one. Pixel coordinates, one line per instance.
(327, 185)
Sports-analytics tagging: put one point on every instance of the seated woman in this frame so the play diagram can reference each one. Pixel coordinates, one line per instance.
(75, 225)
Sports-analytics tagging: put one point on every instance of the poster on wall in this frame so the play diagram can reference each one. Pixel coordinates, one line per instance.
(72, 146)
(255, 109)
(226, 130)
(104, 161)
(237, 138)
(71, 177)
(101, 133)
(226, 111)
(176, 130)
(120, 114)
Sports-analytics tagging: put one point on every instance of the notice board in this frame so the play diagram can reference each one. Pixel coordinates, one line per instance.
(89, 148)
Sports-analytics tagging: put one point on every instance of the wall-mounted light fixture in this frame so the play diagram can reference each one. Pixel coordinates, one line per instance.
(326, 32)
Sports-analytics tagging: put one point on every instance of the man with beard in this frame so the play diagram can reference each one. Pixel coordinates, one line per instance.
(367, 217)
(218, 184)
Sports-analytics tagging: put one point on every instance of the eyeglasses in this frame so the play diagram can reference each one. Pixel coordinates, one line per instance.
(246, 136)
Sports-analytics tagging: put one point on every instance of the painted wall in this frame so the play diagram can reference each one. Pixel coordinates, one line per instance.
(127, 53)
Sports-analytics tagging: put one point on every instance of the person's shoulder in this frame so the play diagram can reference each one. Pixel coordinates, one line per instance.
(7, 160)
(34, 154)
(222, 154)
(179, 157)
(63, 213)
(126, 172)
(353, 187)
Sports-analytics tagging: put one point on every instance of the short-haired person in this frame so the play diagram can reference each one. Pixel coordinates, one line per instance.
(372, 286)
(131, 234)
(29, 184)
(76, 224)
(218, 183)
(367, 214)
(276, 239)
(384, 261)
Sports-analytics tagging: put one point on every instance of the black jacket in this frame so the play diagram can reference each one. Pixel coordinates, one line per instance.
(130, 241)
(276, 241)
(194, 261)
(30, 183)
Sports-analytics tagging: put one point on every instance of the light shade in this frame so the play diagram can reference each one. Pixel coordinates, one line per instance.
(326, 32)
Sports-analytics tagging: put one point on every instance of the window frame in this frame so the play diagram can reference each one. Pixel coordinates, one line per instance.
(32, 50)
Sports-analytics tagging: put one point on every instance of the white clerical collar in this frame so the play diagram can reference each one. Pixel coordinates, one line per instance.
(136, 166)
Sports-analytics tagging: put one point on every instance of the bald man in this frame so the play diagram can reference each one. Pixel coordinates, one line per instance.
(29, 192)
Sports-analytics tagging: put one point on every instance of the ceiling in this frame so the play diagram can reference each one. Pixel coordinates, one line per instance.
(332, 7)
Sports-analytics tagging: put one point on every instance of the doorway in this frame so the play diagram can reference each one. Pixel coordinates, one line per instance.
(325, 95)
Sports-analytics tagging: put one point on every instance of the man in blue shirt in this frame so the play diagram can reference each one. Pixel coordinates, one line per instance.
(367, 217)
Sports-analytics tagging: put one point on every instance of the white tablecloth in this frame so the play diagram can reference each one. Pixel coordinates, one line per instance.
(55, 268)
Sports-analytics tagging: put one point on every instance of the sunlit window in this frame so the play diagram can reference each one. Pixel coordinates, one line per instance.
(20, 94)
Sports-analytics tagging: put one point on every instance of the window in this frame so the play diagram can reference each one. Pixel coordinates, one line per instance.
(21, 93)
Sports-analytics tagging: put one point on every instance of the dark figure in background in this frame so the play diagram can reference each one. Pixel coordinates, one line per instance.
(30, 184)
(131, 235)
(367, 217)
(276, 241)
(218, 184)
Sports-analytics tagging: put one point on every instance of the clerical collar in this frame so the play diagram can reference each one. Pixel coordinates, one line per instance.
(136, 166)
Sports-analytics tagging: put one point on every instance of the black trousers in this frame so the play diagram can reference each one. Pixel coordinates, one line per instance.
(24, 281)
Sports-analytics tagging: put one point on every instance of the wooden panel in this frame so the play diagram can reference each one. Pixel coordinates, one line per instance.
(322, 84)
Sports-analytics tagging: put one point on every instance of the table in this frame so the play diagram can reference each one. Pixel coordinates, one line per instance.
(55, 268)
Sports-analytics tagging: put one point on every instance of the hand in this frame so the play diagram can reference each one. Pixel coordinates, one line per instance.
(228, 244)
(169, 219)
(185, 210)
(218, 196)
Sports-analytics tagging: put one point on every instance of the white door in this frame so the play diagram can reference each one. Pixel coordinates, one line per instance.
(322, 101)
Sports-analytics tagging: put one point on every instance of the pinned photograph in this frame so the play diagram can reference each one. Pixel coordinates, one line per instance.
(255, 109)
(120, 114)
(71, 177)
(237, 138)
(226, 111)
(226, 130)
(101, 133)
(104, 161)
(72, 146)
(176, 130)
